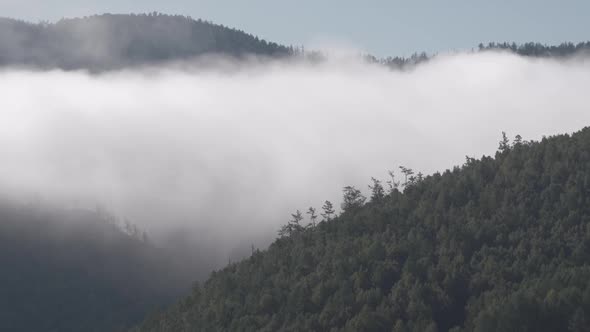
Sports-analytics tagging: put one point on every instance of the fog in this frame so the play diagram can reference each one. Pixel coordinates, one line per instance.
(224, 155)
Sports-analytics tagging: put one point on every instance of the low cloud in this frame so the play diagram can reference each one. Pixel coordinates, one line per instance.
(226, 154)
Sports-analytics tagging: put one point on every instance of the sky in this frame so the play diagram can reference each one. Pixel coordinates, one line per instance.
(378, 27)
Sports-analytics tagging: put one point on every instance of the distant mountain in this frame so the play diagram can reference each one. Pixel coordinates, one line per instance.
(539, 50)
(533, 50)
(110, 42)
(75, 270)
(114, 41)
(498, 244)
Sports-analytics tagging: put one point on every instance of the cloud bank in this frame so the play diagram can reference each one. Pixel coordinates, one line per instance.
(227, 154)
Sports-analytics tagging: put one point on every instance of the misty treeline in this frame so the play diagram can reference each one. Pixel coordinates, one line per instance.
(122, 224)
(352, 198)
(539, 50)
(80, 270)
(498, 244)
(116, 41)
(529, 49)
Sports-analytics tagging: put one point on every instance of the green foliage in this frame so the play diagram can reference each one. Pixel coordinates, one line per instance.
(499, 244)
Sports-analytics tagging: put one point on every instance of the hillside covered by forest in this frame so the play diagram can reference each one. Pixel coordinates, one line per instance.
(501, 243)
(109, 41)
(117, 41)
(79, 270)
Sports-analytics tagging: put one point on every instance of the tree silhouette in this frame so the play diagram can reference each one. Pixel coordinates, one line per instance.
(329, 211)
(353, 198)
(377, 191)
(312, 216)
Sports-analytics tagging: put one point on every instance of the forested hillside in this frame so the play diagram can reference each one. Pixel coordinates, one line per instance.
(116, 41)
(499, 244)
(109, 42)
(76, 270)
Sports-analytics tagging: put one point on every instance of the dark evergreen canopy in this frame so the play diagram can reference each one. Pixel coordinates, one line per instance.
(499, 244)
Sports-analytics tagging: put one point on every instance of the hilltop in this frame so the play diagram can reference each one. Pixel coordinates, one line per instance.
(106, 42)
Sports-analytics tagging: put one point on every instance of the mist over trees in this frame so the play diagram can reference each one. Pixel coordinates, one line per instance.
(110, 41)
(530, 49)
(117, 41)
(498, 244)
(80, 270)
(538, 49)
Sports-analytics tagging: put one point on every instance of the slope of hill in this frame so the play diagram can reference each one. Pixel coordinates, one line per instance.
(116, 41)
(498, 244)
(76, 271)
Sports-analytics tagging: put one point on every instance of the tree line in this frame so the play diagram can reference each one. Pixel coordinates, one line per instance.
(500, 243)
(109, 42)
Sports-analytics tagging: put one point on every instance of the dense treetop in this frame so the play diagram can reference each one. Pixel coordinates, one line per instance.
(499, 244)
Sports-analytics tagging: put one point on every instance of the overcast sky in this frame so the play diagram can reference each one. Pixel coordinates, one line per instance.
(379, 26)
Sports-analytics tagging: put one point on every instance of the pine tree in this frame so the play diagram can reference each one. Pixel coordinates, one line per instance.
(393, 185)
(377, 191)
(312, 216)
(504, 145)
(353, 198)
(328, 209)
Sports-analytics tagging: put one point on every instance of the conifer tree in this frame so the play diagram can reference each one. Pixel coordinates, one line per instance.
(328, 209)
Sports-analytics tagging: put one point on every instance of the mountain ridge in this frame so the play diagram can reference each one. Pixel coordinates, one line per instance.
(116, 41)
